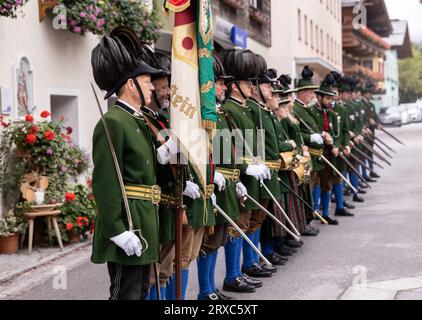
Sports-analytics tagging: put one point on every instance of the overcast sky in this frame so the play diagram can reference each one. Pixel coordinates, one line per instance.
(410, 10)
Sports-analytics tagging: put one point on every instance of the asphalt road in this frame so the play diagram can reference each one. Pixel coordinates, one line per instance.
(383, 241)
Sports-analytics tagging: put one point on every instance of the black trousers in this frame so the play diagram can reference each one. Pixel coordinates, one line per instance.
(128, 282)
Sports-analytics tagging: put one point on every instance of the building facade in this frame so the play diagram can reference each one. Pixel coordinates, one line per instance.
(306, 32)
(365, 50)
(401, 48)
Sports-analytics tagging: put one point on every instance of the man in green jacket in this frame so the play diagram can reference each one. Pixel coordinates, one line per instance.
(240, 64)
(128, 250)
(327, 123)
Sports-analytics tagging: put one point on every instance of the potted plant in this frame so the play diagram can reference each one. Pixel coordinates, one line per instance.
(49, 152)
(78, 213)
(9, 8)
(10, 229)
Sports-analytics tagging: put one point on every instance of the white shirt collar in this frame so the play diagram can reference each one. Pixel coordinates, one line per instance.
(131, 107)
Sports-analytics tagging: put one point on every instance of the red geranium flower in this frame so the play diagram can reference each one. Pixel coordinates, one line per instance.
(31, 138)
(49, 135)
(62, 118)
(29, 118)
(70, 196)
(69, 130)
(5, 124)
(45, 114)
(69, 226)
(34, 129)
(82, 221)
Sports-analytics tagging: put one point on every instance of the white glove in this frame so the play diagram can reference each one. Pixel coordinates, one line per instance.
(267, 172)
(317, 138)
(214, 199)
(256, 171)
(219, 180)
(167, 150)
(241, 190)
(293, 143)
(192, 190)
(129, 242)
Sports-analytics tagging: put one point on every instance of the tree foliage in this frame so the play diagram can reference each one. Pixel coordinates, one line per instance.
(410, 76)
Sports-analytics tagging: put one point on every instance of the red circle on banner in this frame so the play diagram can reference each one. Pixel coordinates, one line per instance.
(187, 43)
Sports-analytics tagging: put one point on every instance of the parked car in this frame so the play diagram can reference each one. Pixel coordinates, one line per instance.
(390, 116)
(413, 112)
(404, 114)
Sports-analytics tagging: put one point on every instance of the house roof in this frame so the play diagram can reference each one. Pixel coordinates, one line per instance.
(400, 39)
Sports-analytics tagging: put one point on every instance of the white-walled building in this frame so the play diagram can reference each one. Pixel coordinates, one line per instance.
(55, 65)
(306, 32)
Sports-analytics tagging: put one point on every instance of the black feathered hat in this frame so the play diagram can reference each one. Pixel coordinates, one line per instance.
(118, 58)
(286, 81)
(326, 87)
(305, 83)
(270, 76)
(219, 72)
(369, 87)
(240, 64)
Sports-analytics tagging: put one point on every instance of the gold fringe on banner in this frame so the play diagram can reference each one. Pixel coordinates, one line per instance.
(210, 127)
(176, 9)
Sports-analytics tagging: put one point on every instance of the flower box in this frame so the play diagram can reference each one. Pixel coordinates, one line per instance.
(259, 16)
(235, 4)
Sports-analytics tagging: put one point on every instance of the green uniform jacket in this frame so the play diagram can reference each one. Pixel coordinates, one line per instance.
(200, 212)
(224, 157)
(283, 136)
(333, 128)
(342, 132)
(166, 180)
(264, 120)
(305, 114)
(136, 155)
(242, 118)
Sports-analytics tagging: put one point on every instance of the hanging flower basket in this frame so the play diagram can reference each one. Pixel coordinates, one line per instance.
(9, 8)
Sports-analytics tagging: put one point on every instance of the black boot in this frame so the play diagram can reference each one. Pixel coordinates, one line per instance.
(361, 191)
(348, 205)
(343, 213)
(374, 175)
(368, 179)
(358, 198)
(238, 285)
(331, 221)
(256, 271)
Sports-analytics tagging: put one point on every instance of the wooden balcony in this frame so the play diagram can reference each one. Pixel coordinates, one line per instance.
(362, 42)
(365, 72)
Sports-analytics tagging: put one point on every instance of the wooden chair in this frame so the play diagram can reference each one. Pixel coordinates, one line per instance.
(50, 212)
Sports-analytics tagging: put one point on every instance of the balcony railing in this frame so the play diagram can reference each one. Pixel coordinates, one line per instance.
(366, 72)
